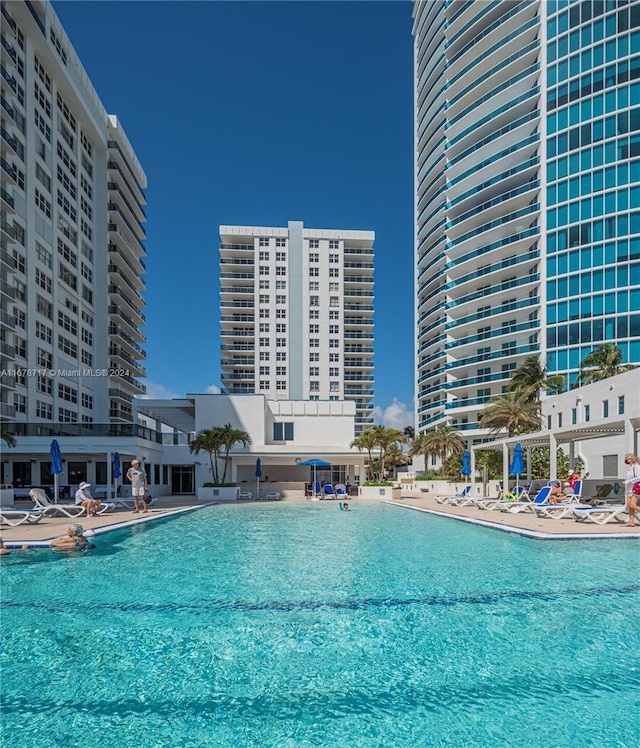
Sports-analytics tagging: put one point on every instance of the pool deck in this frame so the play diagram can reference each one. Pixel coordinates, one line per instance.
(526, 523)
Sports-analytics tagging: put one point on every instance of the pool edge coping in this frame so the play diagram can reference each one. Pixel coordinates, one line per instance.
(532, 534)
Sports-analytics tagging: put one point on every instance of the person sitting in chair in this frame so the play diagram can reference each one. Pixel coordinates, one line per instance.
(557, 495)
(84, 497)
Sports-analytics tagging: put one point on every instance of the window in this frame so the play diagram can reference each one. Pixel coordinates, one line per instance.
(68, 254)
(281, 356)
(20, 346)
(281, 285)
(314, 272)
(44, 384)
(19, 318)
(281, 313)
(314, 243)
(334, 258)
(67, 323)
(334, 272)
(334, 244)
(263, 241)
(281, 269)
(314, 314)
(264, 342)
(45, 359)
(334, 329)
(20, 403)
(314, 386)
(264, 270)
(281, 371)
(67, 276)
(281, 327)
(264, 285)
(334, 386)
(281, 242)
(43, 332)
(264, 314)
(620, 405)
(314, 257)
(314, 357)
(314, 343)
(67, 416)
(264, 298)
(314, 286)
(44, 410)
(314, 371)
(574, 416)
(263, 255)
(281, 342)
(43, 280)
(334, 357)
(605, 408)
(281, 299)
(264, 355)
(43, 254)
(314, 329)
(67, 346)
(281, 256)
(334, 286)
(334, 371)
(314, 301)
(43, 203)
(587, 412)
(264, 327)
(264, 384)
(334, 343)
(87, 401)
(334, 301)
(67, 393)
(281, 385)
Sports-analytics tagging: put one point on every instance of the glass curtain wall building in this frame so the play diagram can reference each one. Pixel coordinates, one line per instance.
(527, 173)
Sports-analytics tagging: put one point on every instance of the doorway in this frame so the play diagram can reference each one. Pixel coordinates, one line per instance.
(182, 479)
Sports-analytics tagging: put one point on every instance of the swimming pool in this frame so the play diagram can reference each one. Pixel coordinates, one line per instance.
(299, 625)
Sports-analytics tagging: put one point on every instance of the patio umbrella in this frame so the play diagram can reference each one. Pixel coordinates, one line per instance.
(517, 462)
(56, 466)
(258, 475)
(466, 463)
(117, 472)
(315, 463)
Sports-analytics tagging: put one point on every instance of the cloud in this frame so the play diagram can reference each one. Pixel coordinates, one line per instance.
(395, 416)
(213, 389)
(158, 392)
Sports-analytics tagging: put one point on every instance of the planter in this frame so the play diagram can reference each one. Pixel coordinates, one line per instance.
(217, 493)
(377, 492)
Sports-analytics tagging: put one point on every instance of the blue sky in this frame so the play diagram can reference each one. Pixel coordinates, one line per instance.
(257, 113)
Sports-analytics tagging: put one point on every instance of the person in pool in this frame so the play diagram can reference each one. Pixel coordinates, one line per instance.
(74, 539)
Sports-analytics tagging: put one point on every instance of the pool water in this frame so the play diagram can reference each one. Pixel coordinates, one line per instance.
(256, 626)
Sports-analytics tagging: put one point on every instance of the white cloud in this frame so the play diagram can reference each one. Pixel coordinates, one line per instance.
(395, 416)
(158, 392)
(213, 389)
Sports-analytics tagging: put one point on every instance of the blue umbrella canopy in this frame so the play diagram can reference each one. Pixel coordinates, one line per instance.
(315, 462)
(517, 461)
(258, 472)
(117, 472)
(466, 463)
(56, 458)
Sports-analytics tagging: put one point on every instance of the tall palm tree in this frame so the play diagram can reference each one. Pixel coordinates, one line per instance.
(513, 412)
(409, 433)
(395, 456)
(384, 437)
(209, 441)
(531, 377)
(7, 438)
(441, 442)
(231, 436)
(603, 362)
(365, 440)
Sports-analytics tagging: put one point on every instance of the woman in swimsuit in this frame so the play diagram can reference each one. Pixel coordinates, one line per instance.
(75, 538)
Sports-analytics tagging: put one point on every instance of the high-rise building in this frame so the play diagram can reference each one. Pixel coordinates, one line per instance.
(296, 314)
(72, 191)
(527, 173)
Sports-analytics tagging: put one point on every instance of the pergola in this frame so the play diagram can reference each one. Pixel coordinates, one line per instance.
(627, 427)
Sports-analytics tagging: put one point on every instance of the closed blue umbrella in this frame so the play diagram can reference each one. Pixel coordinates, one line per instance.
(117, 470)
(258, 475)
(56, 466)
(517, 461)
(466, 463)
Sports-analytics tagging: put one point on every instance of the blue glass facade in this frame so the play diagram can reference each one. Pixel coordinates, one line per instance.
(593, 181)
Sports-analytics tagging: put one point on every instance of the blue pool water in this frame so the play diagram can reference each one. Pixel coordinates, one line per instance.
(293, 626)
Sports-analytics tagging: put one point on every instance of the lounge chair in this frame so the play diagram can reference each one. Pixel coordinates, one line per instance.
(341, 491)
(273, 496)
(526, 505)
(49, 509)
(125, 502)
(245, 495)
(601, 515)
(486, 503)
(559, 511)
(452, 498)
(14, 517)
(603, 494)
(328, 491)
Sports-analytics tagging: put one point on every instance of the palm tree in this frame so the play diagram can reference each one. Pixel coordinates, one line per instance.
(531, 377)
(603, 362)
(409, 433)
(395, 456)
(229, 437)
(384, 437)
(365, 440)
(209, 441)
(441, 442)
(513, 411)
(8, 438)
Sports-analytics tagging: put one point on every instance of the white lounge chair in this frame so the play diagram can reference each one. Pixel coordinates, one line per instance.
(49, 509)
(273, 496)
(14, 517)
(515, 507)
(245, 495)
(126, 502)
(601, 515)
(451, 498)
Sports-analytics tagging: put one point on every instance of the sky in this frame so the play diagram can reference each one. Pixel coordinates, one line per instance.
(257, 114)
